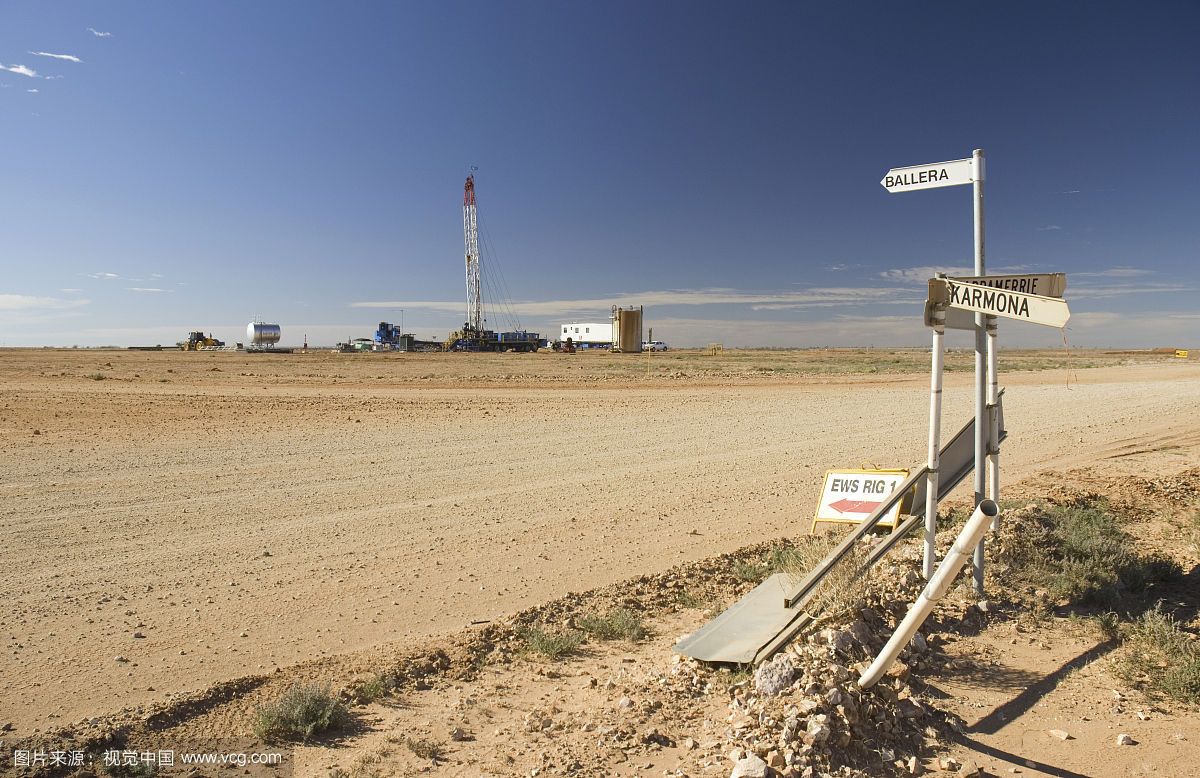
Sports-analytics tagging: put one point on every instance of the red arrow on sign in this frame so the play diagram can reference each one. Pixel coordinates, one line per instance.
(854, 506)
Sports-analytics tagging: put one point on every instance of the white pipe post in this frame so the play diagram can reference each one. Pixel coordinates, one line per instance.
(994, 427)
(935, 435)
(937, 587)
(981, 432)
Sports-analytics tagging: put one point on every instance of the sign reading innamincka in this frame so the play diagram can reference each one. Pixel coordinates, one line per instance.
(1032, 308)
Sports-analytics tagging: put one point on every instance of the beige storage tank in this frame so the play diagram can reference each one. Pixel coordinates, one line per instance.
(627, 329)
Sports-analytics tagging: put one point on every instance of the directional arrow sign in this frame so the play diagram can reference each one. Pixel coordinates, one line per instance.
(914, 177)
(1032, 308)
(854, 506)
(852, 495)
(1045, 284)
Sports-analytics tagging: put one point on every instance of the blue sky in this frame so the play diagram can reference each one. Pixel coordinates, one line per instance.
(184, 165)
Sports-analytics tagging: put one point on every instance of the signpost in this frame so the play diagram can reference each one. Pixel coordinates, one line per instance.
(1032, 308)
(1045, 284)
(849, 496)
(908, 179)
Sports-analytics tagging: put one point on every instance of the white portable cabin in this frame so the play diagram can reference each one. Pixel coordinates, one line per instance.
(588, 333)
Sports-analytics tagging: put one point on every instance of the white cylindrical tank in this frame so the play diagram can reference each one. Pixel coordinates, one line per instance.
(262, 334)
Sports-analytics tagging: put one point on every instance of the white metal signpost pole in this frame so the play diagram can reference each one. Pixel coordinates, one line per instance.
(908, 179)
(935, 433)
(981, 361)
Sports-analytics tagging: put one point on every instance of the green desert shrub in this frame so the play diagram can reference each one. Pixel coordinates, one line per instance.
(552, 644)
(1160, 656)
(299, 713)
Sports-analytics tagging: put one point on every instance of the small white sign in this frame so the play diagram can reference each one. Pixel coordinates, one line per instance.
(914, 177)
(1032, 308)
(852, 495)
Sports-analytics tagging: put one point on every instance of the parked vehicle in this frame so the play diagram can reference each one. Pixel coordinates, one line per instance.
(653, 345)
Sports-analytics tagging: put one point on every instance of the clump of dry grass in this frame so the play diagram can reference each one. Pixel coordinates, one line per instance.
(552, 644)
(1161, 656)
(618, 623)
(426, 749)
(842, 588)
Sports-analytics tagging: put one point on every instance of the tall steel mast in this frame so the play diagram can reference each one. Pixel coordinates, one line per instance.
(471, 241)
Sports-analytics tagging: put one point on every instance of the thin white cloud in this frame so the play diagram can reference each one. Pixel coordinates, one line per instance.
(99, 34)
(807, 298)
(67, 57)
(26, 302)
(1049, 227)
(1085, 291)
(102, 275)
(1115, 272)
(920, 275)
(143, 289)
(32, 91)
(71, 291)
(20, 70)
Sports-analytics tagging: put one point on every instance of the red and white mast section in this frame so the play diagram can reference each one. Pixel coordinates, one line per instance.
(471, 242)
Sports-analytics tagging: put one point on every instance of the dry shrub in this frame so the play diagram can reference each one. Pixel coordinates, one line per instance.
(842, 588)
(1161, 656)
(299, 713)
(618, 623)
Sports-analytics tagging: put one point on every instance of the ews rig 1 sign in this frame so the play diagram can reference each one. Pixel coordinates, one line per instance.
(849, 496)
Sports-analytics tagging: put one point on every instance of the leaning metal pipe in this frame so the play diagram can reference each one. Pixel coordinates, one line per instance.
(937, 587)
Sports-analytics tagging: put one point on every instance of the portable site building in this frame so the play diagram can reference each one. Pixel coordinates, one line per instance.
(588, 334)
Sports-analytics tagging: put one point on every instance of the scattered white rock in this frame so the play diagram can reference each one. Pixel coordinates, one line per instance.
(774, 676)
(749, 766)
(1125, 740)
(1061, 734)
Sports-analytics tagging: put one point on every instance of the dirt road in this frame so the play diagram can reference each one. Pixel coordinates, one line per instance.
(172, 520)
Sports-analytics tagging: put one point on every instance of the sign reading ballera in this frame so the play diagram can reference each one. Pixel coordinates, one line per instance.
(1032, 308)
(909, 179)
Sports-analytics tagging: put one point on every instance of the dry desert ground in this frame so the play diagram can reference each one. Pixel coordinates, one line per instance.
(175, 520)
